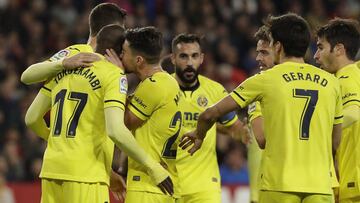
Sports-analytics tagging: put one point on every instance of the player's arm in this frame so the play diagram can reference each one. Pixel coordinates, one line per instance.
(142, 103)
(206, 121)
(245, 93)
(238, 130)
(257, 126)
(229, 124)
(132, 121)
(339, 116)
(124, 140)
(336, 136)
(34, 115)
(42, 71)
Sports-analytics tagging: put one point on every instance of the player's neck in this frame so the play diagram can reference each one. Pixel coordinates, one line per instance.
(292, 59)
(342, 62)
(148, 71)
(92, 42)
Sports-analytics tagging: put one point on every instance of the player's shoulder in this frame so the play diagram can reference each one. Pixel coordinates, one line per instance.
(80, 48)
(162, 79)
(162, 83)
(206, 82)
(348, 71)
(70, 51)
(349, 75)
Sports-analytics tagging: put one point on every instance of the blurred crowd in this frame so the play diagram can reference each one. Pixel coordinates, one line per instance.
(33, 30)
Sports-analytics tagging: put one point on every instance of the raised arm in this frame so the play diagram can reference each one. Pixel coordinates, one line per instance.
(40, 72)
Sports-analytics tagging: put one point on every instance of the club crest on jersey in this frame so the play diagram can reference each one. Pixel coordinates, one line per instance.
(202, 101)
(123, 85)
(61, 54)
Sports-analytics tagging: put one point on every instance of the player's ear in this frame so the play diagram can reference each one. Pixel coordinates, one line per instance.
(278, 47)
(339, 50)
(201, 57)
(172, 57)
(139, 60)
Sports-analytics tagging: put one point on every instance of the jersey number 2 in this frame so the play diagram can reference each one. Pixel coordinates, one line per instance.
(80, 99)
(167, 151)
(311, 97)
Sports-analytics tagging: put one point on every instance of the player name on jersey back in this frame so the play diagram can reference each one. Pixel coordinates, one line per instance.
(87, 73)
(293, 76)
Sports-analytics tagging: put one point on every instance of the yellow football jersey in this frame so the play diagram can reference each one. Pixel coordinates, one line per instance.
(78, 147)
(200, 172)
(156, 101)
(254, 154)
(349, 151)
(300, 104)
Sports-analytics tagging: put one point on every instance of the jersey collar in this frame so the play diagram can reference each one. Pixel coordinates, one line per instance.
(192, 88)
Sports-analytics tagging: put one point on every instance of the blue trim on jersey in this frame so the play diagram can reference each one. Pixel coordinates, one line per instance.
(227, 117)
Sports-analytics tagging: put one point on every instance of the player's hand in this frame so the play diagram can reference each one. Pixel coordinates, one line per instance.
(117, 186)
(167, 186)
(113, 58)
(189, 139)
(162, 178)
(245, 132)
(80, 60)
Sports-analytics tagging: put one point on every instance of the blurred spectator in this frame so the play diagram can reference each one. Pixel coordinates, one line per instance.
(6, 195)
(15, 162)
(234, 169)
(3, 165)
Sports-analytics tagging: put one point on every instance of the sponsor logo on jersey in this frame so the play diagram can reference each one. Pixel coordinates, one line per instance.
(61, 54)
(123, 85)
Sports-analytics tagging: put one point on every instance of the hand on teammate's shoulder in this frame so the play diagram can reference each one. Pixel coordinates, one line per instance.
(80, 60)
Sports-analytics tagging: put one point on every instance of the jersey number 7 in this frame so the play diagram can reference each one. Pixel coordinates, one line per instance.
(81, 99)
(311, 97)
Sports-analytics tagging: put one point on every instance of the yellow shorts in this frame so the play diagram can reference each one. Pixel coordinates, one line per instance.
(350, 200)
(59, 191)
(294, 197)
(148, 197)
(201, 197)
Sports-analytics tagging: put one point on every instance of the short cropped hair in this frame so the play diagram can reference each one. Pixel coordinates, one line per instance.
(146, 41)
(292, 31)
(105, 14)
(110, 37)
(262, 34)
(185, 38)
(342, 31)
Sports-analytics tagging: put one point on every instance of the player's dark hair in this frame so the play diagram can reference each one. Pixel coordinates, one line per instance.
(185, 38)
(110, 37)
(342, 31)
(292, 31)
(105, 14)
(147, 42)
(262, 34)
